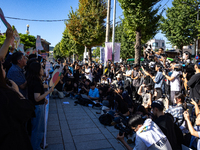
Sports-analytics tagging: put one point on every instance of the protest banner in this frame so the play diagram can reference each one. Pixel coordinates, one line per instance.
(44, 55)
(38, 44)
(47, 67)
(20, 47)
(108, 52)
(3, 18)
(102, 54)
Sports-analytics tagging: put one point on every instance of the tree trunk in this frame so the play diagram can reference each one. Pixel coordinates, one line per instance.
(138, 47)
(89, 55)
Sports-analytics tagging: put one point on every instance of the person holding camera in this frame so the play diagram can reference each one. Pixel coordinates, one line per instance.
(175, 85)
(145, 92)
(165, 123)
(177, 110)
(88, 72)
(148, 135)
(194, 82)
(194, 131)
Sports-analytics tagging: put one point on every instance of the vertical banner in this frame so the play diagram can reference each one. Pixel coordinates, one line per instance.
(46, 119)
(102, 54)
(47, 67)
(38, 44)
(117, 52)
(108, 51)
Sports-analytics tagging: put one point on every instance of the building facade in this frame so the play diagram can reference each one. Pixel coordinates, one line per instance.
(156, 44)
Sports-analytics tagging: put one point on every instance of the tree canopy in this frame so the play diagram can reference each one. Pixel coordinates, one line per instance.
(141, 19)
(180, 25)
(87, 24)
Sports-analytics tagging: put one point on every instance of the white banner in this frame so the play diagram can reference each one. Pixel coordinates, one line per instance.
(108, 51)
(38, 43)
(102, 54)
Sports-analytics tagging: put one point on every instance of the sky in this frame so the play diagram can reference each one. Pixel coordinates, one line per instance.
(50, 10)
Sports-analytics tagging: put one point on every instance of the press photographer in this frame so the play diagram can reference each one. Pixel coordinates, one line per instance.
(148, 135)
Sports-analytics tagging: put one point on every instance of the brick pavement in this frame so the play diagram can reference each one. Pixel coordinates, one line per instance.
(78, 128)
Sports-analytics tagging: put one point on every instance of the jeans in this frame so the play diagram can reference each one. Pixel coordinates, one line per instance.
(37, 122)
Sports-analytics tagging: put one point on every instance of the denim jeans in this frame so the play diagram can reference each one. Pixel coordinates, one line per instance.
(37, 123)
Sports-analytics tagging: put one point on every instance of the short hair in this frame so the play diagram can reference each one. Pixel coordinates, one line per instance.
(16, 56)
(180, 96)
(198, 64)
(136, 120)
(161, 48)
(121, 88)
(92, 84)
(159, 65)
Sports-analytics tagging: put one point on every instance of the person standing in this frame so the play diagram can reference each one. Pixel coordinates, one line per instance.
(37, 95)
(16, 72)
(88, 72)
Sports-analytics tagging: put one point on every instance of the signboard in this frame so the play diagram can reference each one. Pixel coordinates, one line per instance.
(38, 43)
(108, 51)
(197, 57)
(21, 47)
(102, 54)
(3, 18)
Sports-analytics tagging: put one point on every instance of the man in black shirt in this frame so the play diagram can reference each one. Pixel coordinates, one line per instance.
(194, 82)
(165, 122)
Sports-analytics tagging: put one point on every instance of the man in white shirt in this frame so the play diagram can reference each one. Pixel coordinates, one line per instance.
(175, 85)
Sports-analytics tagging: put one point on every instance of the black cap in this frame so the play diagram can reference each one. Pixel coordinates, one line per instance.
(157, 104)
(136, 65)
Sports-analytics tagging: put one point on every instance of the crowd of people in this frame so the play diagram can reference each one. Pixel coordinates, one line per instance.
(157, 99)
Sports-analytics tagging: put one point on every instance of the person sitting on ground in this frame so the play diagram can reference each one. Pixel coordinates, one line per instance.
(59, 88)
(69, 88)
(105, 79)
(166, 124)
(85, 87)
(148, 135)
(93, 93)
(177, 110)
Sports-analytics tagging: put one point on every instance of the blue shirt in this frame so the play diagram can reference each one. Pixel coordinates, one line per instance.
(16, 74)
(94, 93)
(158, 80)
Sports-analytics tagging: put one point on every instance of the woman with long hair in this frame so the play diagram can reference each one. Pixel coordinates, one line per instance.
(37, 95)
(15, 111)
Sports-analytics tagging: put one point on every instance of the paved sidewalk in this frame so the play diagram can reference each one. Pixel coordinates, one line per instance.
(78, 128)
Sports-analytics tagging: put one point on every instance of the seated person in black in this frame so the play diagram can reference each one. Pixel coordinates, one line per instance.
(59, 88)
(85, 88)
(166, 124)
(69, 88)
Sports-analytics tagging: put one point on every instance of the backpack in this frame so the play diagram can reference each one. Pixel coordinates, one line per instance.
(106, 119)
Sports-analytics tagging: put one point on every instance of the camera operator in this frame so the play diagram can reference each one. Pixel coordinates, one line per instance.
(105, 79)
(128, 73)
(175, 85)
(194, 82)
(160, 51)
(146, 95)
(195, 132)
(136, 80)
(158, 79)
(148, 135)
(164, 61)
(177, 110)
(166, 123)
(186, 57)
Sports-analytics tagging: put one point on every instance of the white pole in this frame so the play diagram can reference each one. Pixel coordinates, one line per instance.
(113, 32)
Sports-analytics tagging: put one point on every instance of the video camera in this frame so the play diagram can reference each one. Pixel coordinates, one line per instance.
(188, 100)
(123, 127)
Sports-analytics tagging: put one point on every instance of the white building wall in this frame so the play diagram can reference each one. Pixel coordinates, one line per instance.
(156, 44)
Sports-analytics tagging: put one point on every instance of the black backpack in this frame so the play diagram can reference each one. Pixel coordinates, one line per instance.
(106, 119)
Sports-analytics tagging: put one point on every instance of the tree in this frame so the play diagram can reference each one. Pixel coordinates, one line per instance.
(141, 19)
(2, 39)
(127, 44)
(180, 24)
(87, 25)
(28, 41)
(57, 52)
(96, 52)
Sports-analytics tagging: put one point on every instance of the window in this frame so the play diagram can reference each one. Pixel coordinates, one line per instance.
(163, 44)
(155, 44)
